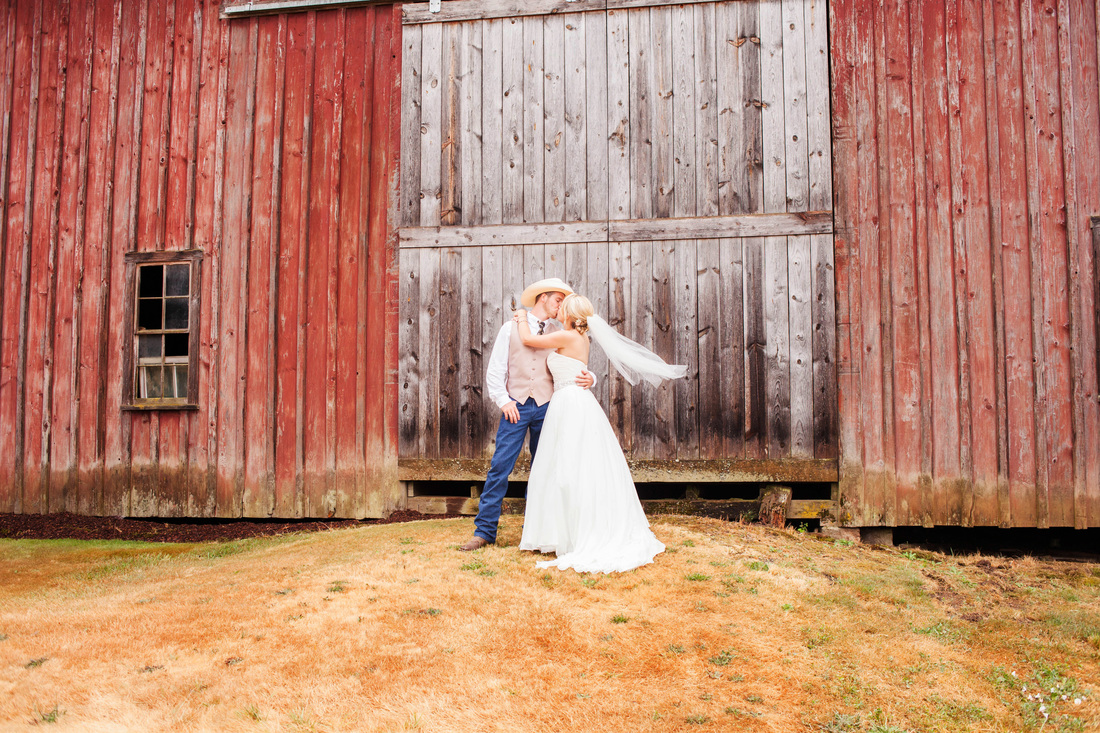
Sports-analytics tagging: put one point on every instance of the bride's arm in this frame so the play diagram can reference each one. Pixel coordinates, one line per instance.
(554, 340)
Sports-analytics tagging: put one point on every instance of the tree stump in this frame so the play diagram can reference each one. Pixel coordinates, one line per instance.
(774, 503)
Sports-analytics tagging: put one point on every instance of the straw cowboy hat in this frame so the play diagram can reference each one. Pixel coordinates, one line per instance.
(549, 285)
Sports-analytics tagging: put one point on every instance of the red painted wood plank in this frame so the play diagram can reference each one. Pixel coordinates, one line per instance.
(70, 249)
(881, 484)
(92, 386)
(904, 305)
(989, 62)
(867, 250)
(38, 354)
(1077, 236)
(234, 286)
(219, 487)
(1016, 268)
(382, 314)
(323, 206)
(259, 389)
(842, 32)
(174, 203)
(921, 507)
(370, 383)
(154, 125)
(117, 458)
(8, 34)
(202, 427)
(1057, 413)
(289, 333)
(979, 269)
(1082, 48)
(183, 116)
(958, 505)
(354, 171)
(144, 434)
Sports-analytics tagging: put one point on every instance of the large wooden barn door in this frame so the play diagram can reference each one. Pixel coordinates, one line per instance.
(673, 164)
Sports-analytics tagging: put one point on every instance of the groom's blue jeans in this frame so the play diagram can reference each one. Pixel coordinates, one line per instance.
(509, 443)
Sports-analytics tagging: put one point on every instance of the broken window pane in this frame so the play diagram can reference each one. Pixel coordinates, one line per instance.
(149, 346)
(177, 280)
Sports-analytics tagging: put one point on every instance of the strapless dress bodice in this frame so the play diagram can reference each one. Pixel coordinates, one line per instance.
(564, 369)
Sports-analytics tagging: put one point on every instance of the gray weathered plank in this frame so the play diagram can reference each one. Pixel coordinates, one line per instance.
(777, 388)
(597, 97)
(492, 120)
(450, 204)
(449, 360)
(410, 127)
(755, 349)
(431, 120)
(597, 291)
(800, 329)
(575, 139)
(824, 348)
(772, 101)
(712, 396)
(408, 431)
(732, 330)
(818, 138)
(661, 103)
(512, 111)
(428, 327)
(639, 325)
(794, 105)
(493, 316)
(664, 343)
(706, 112)
(471, 353)
(498, 234)
(619, 405)
(749, 225)
(534, 151)
(618, 137)
(415, 13)
(553, 118)
(686, 346)
(684, 135)
(471, 152)
(640, 120)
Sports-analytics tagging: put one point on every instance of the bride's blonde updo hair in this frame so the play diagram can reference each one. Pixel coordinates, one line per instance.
(576, 308)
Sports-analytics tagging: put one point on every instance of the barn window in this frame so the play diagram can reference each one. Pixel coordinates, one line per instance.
(164, 348)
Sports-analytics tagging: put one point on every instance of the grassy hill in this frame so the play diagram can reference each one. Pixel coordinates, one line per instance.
(389, 628)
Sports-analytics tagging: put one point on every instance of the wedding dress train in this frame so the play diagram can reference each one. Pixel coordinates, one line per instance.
(581, 500)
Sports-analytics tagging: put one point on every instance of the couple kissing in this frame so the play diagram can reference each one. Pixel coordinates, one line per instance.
(581, 501)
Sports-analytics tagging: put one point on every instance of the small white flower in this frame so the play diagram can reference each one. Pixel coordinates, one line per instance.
(1013, 674)
(1076, 701)
(1023, 689)
(1065, 697)
(1042, 708)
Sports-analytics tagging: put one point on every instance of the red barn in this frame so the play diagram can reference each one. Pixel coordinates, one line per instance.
(253, 254)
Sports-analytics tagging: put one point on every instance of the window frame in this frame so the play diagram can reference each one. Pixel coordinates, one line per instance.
(134, 260)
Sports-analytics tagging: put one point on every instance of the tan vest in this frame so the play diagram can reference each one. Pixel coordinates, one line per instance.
(528, 375)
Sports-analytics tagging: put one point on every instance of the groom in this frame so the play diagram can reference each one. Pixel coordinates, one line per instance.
(520, 383)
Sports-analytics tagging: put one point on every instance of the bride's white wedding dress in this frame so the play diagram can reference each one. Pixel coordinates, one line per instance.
(581, 500)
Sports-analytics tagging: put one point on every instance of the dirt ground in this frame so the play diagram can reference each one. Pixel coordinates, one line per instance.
(76, 527)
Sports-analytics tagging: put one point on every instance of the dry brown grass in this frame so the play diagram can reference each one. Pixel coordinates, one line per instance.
(388, 628)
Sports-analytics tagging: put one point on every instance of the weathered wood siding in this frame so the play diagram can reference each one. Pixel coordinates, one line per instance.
(967, 149)
(666, 162)
(271, 145)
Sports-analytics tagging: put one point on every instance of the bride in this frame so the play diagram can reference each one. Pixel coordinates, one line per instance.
(581, 500)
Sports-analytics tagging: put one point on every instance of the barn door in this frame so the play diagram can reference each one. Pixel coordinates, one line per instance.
(670, 162)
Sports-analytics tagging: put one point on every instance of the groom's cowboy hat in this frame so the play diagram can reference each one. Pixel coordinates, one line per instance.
(549, 285)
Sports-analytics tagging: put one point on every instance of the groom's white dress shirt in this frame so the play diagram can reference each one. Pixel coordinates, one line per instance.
(496, 377)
